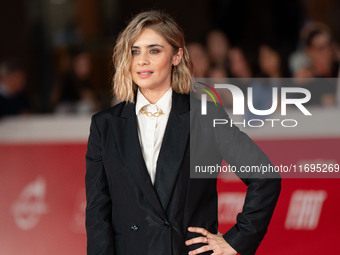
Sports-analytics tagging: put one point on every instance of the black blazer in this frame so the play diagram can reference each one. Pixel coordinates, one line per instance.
(126, 214)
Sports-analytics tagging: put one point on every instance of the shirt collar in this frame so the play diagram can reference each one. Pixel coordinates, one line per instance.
(164, 103)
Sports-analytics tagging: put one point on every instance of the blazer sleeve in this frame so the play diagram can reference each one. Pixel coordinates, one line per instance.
(99, 230)
(263, 190)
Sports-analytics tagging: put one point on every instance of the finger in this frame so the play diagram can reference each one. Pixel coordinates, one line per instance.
(201, 249)
(200, 239)
(202, 231)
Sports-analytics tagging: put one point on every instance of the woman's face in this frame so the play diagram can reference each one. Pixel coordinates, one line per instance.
(218, 46)
(269, 60)
(199, 59)
(238, 64)
(321, 49)
(152, 60)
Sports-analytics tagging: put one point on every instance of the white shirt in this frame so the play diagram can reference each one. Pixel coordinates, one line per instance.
(151, 129)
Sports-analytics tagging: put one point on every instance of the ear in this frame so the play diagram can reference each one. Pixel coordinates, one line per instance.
(176, 59)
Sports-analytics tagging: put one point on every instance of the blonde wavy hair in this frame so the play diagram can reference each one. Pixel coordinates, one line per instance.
(123, 86)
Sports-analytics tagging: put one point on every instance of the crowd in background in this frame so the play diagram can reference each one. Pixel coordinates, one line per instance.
(316, 56)
(72, 91)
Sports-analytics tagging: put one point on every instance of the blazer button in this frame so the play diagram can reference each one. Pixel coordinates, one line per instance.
(166, 224)
(134, 227)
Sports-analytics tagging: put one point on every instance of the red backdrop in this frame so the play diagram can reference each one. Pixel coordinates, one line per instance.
(43, 199)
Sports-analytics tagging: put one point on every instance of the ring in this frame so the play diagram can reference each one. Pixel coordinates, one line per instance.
(207, 239)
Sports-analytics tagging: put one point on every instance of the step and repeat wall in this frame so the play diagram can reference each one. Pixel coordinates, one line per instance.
(42, 193)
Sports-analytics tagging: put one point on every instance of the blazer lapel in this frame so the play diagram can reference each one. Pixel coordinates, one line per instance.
(173, 148)
(129, 146)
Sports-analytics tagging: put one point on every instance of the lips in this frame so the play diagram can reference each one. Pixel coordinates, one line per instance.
(144, 74)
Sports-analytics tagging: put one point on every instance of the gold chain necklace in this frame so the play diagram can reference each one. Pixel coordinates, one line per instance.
(150, 114)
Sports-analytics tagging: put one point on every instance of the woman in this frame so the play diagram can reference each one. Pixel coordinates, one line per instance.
(140, 197)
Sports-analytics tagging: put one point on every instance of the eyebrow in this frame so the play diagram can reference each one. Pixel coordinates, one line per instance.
(149, 46)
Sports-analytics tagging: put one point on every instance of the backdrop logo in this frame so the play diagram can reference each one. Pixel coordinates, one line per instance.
(204, 97)
(30, 204)
(279, 100)
(305, 209)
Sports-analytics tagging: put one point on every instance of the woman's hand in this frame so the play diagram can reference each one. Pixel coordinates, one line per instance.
(215, 243)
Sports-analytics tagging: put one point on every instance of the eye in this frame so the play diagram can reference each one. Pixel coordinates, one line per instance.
(154, 51)
(134, 52)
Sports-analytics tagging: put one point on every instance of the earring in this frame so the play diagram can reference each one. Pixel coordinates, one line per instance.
(175, 69)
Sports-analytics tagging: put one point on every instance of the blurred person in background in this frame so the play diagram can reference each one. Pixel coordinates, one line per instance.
(299, 59)
(323, 63)
(74, 92)
(202, 65)
(200, 59)
(218, 48)
(13, 100)
(271, 62)
(321, 51)
(239, 66)
(271, 67)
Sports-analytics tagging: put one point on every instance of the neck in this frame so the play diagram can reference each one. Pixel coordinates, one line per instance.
(153, 95)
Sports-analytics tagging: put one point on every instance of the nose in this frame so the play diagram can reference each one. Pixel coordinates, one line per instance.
(143, 59)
